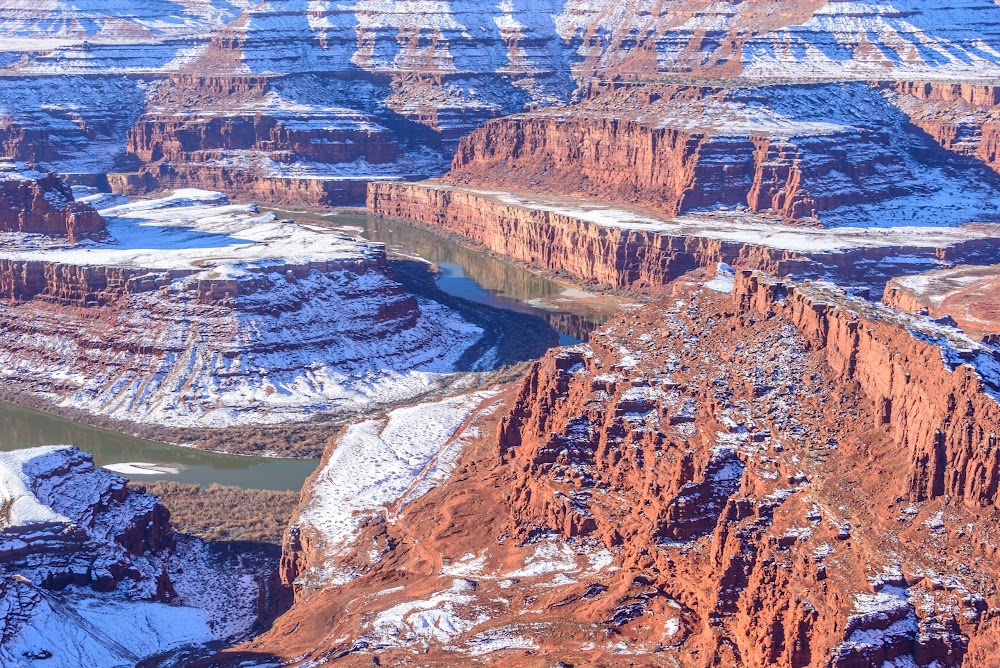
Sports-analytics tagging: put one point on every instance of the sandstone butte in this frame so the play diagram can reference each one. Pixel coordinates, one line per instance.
(43, 204)
(783, 476)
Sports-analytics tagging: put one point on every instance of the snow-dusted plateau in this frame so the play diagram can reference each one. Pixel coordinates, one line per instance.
(619, 333)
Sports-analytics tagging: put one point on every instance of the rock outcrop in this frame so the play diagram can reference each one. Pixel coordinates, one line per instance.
(629, 249)
(239, 134)
(935, 389)
(713, 481)
(39, 203)
(67, 522)
(800, 152)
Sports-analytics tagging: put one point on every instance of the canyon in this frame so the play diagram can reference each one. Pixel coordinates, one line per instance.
(304, 104)
(385, 238)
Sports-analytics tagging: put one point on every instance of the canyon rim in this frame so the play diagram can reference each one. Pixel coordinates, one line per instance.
(556, 334)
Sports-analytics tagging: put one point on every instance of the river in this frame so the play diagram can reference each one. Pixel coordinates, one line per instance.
(465, 273)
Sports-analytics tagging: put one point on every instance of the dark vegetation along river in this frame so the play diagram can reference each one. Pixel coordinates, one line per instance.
(539, 313)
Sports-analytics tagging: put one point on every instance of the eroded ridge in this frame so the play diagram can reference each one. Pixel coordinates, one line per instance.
(770, 477)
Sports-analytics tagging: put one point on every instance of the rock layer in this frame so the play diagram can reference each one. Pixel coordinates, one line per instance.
(92, 574)
(38, 203)
(966, 294)
(628, 250)
(97, 525)
(195, 312)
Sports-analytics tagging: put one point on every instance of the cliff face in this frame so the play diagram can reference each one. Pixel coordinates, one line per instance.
(801, 152)
(266, 138)
(712, 481)
(77, 524)
(628, 249)
(961, 117)
(39, 203)
(198, 139)
(935, 389)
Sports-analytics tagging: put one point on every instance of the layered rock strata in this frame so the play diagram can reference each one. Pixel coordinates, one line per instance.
(197, 312)
(804, 153)
(91, 574)
(67, 522)
(626, 248)
(37, 203)
(247, 136)
(936, 389)
(448, 67)
(713, 481)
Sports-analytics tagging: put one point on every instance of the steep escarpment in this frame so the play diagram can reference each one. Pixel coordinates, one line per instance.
(936, 388)
(695, 485)
(67, 522)
(38, 203)
(627, 248)
(800, 152)
(961, 117)
(92, 574)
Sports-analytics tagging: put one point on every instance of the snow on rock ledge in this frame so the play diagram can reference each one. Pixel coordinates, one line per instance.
(376, 468)
(201, 313)
(67, 524)
(64, 521)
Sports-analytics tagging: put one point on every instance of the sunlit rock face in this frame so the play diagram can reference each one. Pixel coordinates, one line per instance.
(399, 78)
(195, 311)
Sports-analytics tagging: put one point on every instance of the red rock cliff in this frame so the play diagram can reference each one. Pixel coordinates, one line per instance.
(43, 204)
(677, 149)
(617, 257)
(943, 415)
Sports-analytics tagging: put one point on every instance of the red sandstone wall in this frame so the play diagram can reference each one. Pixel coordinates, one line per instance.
(614, 257)
(943, 419)
(46, 206)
